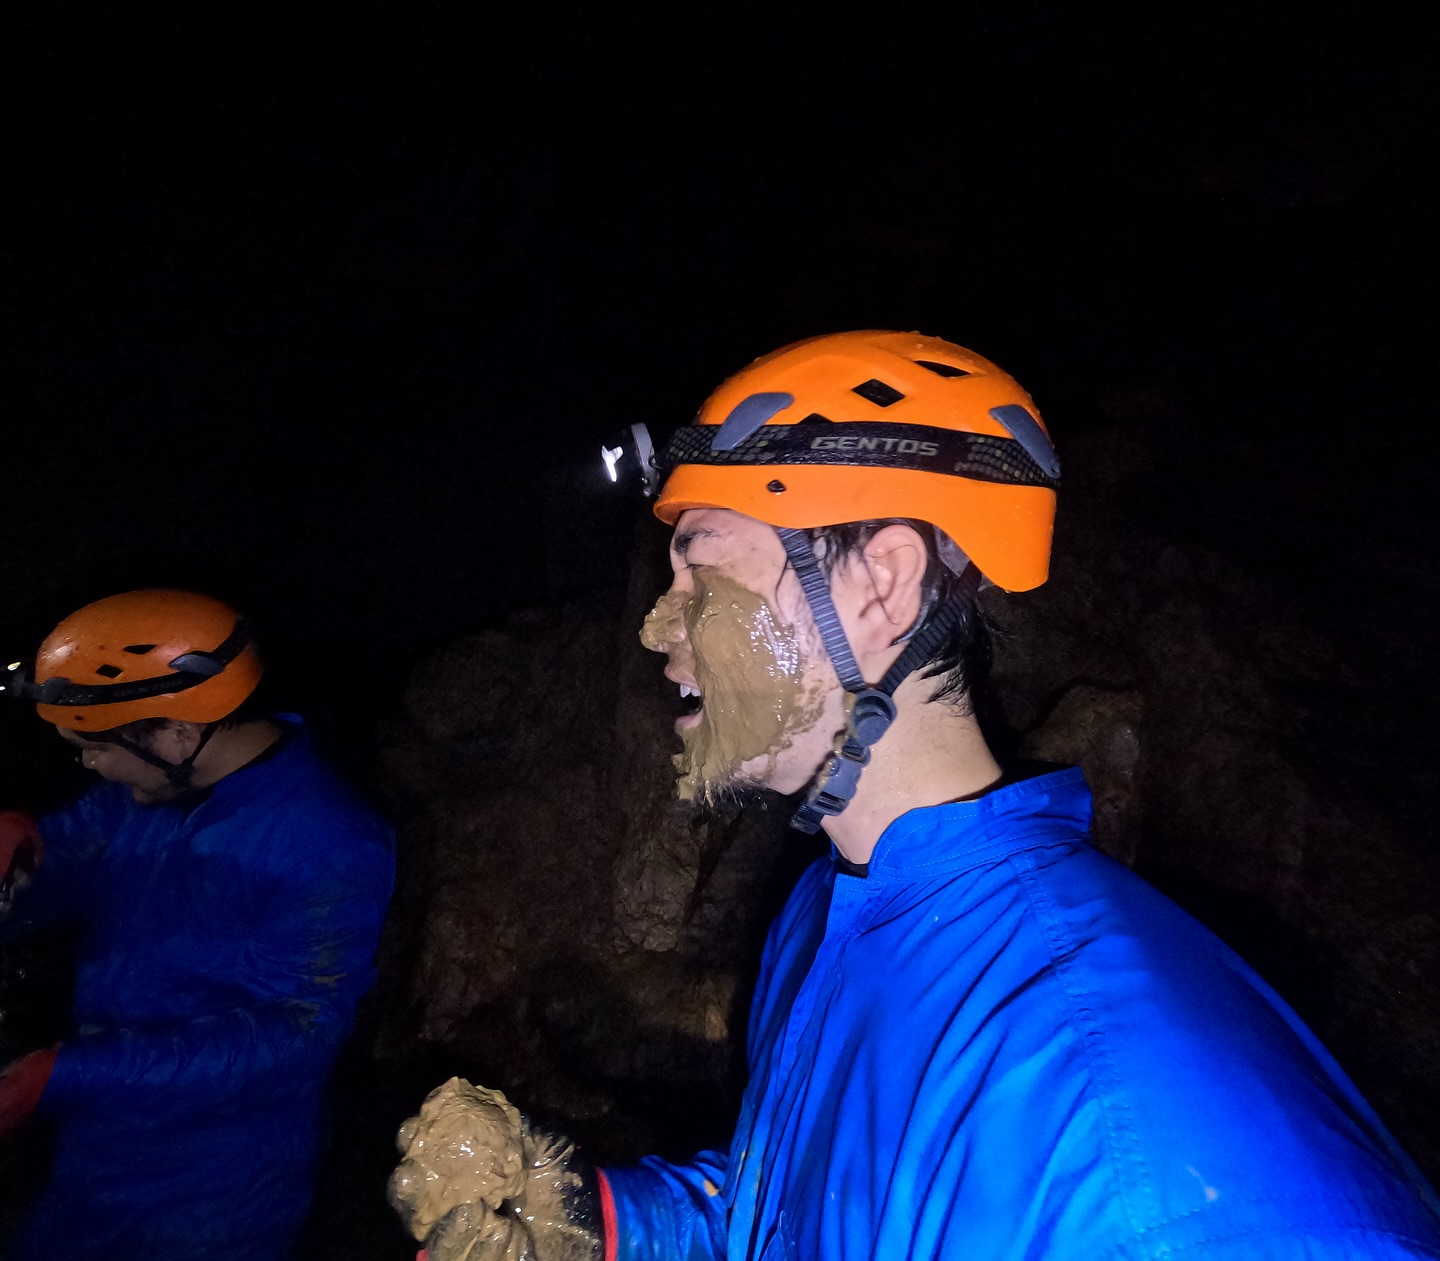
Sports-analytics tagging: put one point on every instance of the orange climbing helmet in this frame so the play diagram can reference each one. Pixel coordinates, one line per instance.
(867, 425)
(143, 654)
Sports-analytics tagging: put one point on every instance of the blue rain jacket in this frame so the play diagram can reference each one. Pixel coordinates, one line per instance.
(224, 945)
(1001, 1044)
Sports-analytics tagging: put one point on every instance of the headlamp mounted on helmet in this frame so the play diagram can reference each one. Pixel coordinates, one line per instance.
(629, 459)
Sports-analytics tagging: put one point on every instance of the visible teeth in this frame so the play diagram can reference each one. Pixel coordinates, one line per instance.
(687, 691)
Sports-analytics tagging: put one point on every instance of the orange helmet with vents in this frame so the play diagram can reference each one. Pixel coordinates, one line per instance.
(144, 654)
(867, 425)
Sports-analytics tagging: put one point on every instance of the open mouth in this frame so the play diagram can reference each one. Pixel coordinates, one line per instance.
(695, 707)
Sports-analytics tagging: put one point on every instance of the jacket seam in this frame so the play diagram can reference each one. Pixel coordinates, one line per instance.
(1092, 1038)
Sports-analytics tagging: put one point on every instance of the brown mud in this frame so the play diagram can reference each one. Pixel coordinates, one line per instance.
(476, 1232)
(464, 1148)
(750, 668)
(477, 1184)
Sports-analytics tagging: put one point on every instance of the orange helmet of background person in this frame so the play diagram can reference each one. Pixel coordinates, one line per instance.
(136, 636)
(903, 379)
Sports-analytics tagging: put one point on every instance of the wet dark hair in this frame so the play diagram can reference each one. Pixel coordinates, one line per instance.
(253, 708)
(962, 661)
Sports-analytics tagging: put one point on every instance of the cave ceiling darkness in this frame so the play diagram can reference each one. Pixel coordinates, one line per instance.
(305, 311)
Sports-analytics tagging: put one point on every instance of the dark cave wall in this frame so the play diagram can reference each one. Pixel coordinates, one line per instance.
(563, 927)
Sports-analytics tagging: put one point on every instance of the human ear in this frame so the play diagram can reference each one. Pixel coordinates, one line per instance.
(895, 561)
(175, 741)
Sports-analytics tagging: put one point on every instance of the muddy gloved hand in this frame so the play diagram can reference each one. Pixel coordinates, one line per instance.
(479, 1182)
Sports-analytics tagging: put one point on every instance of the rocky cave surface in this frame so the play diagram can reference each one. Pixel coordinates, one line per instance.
(567, 932)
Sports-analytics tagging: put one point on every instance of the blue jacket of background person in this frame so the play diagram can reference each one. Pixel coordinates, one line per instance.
(1001, 1044)
(224, 945)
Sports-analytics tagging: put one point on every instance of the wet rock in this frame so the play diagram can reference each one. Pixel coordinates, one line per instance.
(565, 929)
(1098, 729)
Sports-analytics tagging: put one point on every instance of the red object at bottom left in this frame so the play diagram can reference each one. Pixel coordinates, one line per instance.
(21, 1085)
(20, 844)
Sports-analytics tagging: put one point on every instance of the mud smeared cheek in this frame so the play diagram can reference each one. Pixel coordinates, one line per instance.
(750, 668)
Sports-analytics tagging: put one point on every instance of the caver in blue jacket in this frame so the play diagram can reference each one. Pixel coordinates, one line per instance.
(1000, 1044)
(224, 946)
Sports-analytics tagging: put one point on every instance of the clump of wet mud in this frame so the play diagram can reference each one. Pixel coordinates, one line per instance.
(464, 1148)
(477, 1184)
(476, 1232)
(750, 668)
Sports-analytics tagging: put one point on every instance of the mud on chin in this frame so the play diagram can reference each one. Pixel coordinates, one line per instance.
(711, 780)
(702, 777)
(736, 788)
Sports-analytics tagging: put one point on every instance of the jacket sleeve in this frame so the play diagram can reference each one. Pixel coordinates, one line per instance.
(303, 964)
(667, 1212)
(74, 840)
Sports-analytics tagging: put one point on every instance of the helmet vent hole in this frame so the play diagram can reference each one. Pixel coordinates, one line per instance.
(878, 392)
(942, 369)
(815, 418)
(109, 672)
(140, 649)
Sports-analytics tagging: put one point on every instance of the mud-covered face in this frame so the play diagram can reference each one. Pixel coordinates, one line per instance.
(741, 643)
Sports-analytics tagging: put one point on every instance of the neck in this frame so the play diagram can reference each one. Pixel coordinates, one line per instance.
(931, 754)
(230, 748)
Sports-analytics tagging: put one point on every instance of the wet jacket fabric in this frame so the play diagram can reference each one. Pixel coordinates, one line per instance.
(1001, 1044)
(224, 946)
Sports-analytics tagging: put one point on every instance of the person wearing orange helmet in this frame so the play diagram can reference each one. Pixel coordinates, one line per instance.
(929, 446)
(163, 718)
(973, 1035)
(227, 893)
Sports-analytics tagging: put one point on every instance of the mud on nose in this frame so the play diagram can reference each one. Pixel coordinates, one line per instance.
(664, 625)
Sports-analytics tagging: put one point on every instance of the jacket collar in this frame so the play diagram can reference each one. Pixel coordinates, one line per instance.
(289, 754)
(941, 840)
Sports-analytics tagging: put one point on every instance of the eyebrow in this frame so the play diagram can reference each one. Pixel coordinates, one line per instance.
(680, 544)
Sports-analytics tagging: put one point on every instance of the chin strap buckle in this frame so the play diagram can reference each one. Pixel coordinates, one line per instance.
(870, 716)
(832, 789)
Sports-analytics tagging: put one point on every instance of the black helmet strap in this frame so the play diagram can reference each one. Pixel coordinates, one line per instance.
(178, 773)
(874, 708)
